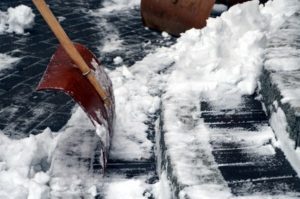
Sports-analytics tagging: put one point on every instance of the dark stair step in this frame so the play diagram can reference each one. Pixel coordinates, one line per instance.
(249, 104)
(131, 169)
(249, 126)
(230, 147)
(236, 165)
(237, 138)
(233, 118)
(271, 186)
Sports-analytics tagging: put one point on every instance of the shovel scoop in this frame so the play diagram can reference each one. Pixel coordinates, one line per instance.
(76, 71)
(63, 75)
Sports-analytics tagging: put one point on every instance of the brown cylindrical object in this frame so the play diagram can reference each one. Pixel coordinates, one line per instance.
(175, 16)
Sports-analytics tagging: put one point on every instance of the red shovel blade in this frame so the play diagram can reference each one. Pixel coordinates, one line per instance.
(62, 74)
(175, 16)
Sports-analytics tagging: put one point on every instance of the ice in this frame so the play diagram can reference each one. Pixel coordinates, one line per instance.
(16, 20)
(7, 61)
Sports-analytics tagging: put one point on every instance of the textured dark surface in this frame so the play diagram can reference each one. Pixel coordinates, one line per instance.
(247, 166)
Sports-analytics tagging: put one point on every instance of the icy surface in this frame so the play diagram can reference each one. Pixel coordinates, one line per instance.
(7, 61)
(16, 20)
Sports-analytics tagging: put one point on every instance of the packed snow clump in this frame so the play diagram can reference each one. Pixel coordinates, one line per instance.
(23, 165)
(16, 20)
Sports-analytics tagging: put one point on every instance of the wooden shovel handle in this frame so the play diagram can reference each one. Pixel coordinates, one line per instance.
(68, 46)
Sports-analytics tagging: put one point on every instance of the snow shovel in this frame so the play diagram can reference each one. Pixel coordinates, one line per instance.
(175, 16)
(76, 71)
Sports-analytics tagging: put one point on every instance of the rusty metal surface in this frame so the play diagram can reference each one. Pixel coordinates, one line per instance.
(62, 74)
(175, 16)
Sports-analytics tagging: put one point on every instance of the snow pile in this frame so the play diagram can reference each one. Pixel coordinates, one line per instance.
(136, 92)
(224, 60)
(7, 61)
(16, 20)
(23, 166)
(51, 165)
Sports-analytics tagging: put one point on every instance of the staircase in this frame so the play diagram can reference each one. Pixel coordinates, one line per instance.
(245, 151)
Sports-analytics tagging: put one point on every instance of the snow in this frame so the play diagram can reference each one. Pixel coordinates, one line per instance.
(219, 8)
(24, 163)
(7, 61)
(110, 6)
(210, 64)
(16, 20)
(131, 188)
(111, 43)
(61, 18)
(134, 104)
(218, 64)
(118, 60)
(162, 189)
